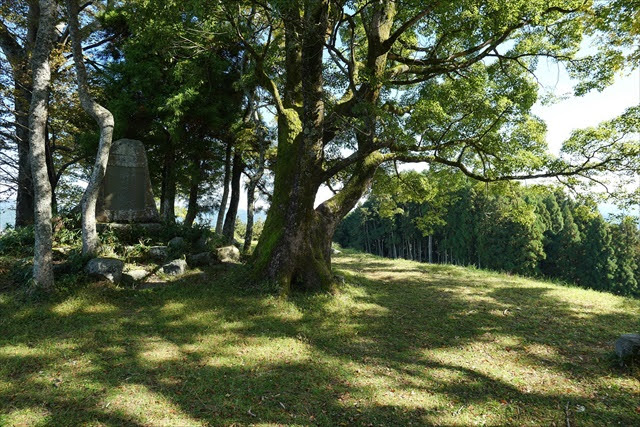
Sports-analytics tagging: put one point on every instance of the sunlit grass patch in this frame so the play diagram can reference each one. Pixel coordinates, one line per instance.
(145, 406)
(29, 416)
(400, 343)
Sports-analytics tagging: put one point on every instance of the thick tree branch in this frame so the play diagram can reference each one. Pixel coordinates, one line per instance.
(387, 44)
(10, 46)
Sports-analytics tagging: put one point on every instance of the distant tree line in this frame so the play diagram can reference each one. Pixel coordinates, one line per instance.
(535, 231)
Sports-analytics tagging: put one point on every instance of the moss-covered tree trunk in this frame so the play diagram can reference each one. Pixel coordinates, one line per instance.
(294, 249)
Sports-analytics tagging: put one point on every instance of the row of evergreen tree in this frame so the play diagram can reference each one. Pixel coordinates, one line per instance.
(536, 231)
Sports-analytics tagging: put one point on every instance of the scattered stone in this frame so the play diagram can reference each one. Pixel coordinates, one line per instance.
(159, 253)
(125, 194)
(176, 243)
(63, 252)
(228, 254)
(148, 227)
(335, 251)
(203, 243)
(132, 276)
(627, 346)
(153, 284)
(202, 259)
(176, 267)
(105, 268)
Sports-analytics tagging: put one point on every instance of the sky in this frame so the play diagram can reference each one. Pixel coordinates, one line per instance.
(581, 112)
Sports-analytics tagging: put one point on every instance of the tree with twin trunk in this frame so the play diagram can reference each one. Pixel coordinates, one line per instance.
(104, 119)
(359, 84)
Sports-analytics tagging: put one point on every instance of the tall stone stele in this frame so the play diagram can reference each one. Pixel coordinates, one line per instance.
(125, 194)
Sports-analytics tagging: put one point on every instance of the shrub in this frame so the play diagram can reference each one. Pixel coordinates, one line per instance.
(17, 241)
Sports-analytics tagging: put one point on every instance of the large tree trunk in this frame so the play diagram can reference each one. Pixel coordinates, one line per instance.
(24, 196)
(194, 187)
(230, 220)
(42, 259)
(51, 171)
(104, 118)
(251, 205)
(225, 191)
(294, 250)
(19, 60)
(168, 203)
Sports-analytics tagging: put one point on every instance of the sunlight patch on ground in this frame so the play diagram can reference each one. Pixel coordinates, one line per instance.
(525, 368)
(419, 344)
(146, 406)
(68, 307)
(20, 350)
(174, 307)
(260, 351)
(156, 349)
(32, 416)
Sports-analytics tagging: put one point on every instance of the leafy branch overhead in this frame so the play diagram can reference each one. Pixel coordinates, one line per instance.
(455, 82)
(357, 85)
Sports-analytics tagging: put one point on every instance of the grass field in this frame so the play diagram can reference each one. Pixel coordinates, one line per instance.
(401, 343)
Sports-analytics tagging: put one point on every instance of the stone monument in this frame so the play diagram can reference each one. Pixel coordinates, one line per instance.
(125, 194)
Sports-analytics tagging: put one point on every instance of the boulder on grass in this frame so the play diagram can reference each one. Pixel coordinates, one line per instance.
(105, 268)
(628, 346)
(132, 276)
(176, 243)
(203, 243)
(176, 267)
(159, 253)
(228, 254)
(202, 259)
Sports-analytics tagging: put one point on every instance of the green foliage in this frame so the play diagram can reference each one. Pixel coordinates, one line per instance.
(596, 262)
(535, 231)
(17, 241)
(175, 87)
(626, 245)
(507, 236)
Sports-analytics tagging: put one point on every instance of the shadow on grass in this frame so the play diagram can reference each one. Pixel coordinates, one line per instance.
(399, 345)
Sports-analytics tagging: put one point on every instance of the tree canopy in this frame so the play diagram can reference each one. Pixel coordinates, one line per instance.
(351, 86)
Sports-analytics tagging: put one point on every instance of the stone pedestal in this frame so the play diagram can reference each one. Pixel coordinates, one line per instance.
(126, 195)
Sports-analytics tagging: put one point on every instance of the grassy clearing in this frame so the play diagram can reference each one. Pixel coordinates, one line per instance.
(402, 343)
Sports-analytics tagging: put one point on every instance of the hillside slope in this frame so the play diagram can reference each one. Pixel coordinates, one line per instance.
(401, 343)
